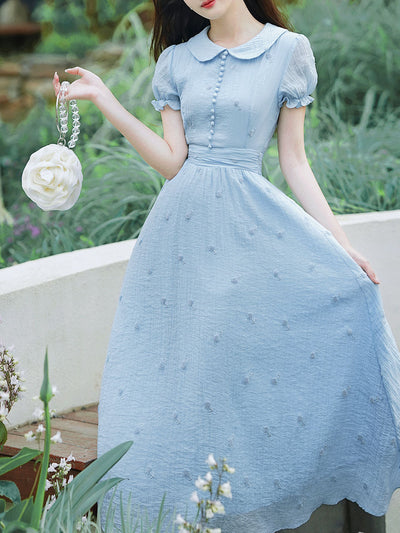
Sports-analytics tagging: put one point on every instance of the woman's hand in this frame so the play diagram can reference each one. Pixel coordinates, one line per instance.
(86, 88)
(364, 264)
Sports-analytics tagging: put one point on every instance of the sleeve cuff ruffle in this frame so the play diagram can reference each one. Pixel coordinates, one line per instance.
(160, 104)
(293, 101)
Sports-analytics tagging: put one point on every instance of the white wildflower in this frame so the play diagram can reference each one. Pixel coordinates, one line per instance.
(211, 461)
(70, 457)
(53, 467)
(30, 436)
(228, 468)
(208, 476)
(56, 437)
(4, 395)
(217, 507)
(54, 390)
(71, 477)
(40, 428)
(202, 484)
(195, 497)
(179, 519)
(38, 414)
(225, 489)
(48, 484)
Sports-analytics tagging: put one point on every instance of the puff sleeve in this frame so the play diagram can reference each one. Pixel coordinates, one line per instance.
(163, 84)
(300, 77)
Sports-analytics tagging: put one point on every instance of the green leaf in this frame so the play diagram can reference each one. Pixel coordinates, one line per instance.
(45, 391)
(84, 482)
(21, 511)
(19, 527)
(3, 433)
(10, 490)
(22, 457)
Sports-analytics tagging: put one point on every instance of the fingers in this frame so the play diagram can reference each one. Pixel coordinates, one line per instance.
(368, 269)
(79, 71)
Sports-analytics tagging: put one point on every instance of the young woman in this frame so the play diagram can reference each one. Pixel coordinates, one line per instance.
(247, 326)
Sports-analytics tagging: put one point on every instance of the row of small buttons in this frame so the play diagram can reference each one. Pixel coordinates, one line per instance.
(214, 99)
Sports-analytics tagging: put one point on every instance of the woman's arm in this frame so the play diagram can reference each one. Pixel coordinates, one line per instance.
(301, 180)
(166, 155)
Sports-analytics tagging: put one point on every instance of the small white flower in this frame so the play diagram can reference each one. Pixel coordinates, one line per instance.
(217, 507)
(56, 437)
(71, 477)
(195, 497)
(3, 409)
(179, 519)
(30, 436)
(54, 389)
(4, 395)
(40, 428)
(70, 457)
(48, 484)
(225, 489)
(201, 484)
(63, 462)
(208, 476)
(64, 482)
(214, 530)
(38, 413)
(211, 461)
(209, 513)
(228, 468)
(53, 467)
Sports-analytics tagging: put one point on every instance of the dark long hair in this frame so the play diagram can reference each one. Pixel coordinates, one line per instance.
(175, 22)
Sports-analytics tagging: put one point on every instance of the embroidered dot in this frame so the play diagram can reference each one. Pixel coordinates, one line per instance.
(184, 365)
(285, 324)
(180, 258)
(276, 274)
(349, 331)
(267, 431)
(150, 473)
(322, 451)
(218, 194)
(277, 485)
(311, 267)
(212, 249)
(137, 326)
(252, 230)
(299, 505)
(280, 234)
(163, 301)
(345, 391)
(137, 431)
(300, 421)
(250, 318)
(231, 441)
(216, 337)
(176, 418)
(208, 407)
(120, 392)
(234, 280)
(312, 355)
(251, 132)
(190, 303)
(333, 479)
(335, 298)
(167, 216)
(246, 380)
(361, 439)
(149, 272)
(365, 486)
(189, 215)
(162, 364)
(274, 381)
(187, 475)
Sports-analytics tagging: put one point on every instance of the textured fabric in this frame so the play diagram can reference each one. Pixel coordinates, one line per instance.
(243, 327)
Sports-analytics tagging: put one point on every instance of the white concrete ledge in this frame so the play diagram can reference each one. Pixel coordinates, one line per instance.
(68, 301)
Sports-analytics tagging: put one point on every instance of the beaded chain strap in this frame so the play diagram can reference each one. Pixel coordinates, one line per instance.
(62, 109)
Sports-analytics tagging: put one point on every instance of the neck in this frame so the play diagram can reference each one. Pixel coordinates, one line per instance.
(234, 27)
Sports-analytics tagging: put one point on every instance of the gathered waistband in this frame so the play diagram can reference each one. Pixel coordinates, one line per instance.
(245, 158)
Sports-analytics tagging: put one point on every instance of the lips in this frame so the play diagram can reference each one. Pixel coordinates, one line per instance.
(208, 3)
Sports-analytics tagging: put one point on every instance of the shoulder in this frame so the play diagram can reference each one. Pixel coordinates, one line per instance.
(293, 43)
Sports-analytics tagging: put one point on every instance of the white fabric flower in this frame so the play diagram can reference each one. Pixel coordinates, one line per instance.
(52, 177)
(179, 519)
(195, 497)
(202, 484)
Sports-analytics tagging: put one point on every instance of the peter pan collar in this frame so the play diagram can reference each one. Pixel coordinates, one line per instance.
(204, 49)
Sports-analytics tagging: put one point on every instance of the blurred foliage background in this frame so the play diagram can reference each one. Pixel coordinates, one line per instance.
(352, 127)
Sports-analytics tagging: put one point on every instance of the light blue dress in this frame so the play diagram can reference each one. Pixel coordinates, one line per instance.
(243, 327)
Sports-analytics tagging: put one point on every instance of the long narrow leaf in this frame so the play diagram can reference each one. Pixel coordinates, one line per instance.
(22, 457)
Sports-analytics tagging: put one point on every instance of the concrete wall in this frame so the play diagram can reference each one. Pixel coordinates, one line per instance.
(68, 301)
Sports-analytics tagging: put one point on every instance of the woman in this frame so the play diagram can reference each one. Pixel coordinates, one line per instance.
(247, 326)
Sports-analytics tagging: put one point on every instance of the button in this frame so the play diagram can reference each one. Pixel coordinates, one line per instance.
(222, 68)
(216, 89)
(212, 132)
(212, 117)
(212, 123)
(209, 146)
(214, 100)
